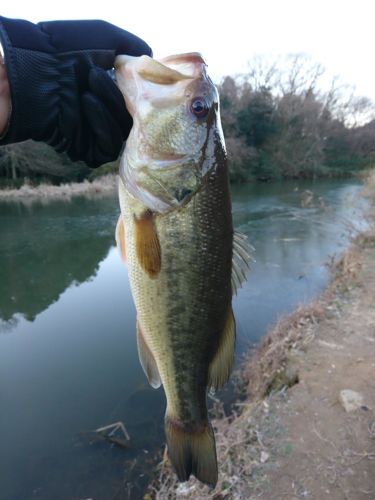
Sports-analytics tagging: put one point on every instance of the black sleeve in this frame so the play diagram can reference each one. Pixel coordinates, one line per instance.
(61, 91)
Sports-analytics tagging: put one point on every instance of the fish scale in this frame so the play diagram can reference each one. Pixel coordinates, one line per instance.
(182, 308)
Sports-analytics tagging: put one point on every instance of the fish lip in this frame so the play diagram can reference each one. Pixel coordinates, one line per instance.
(185, 57)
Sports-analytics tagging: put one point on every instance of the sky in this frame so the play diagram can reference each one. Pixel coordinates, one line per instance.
(337, 34)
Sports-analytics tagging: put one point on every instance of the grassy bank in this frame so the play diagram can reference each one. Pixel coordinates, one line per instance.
(101, 186)
(249, 439)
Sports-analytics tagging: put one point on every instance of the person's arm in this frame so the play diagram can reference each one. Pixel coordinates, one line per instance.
(60, 90)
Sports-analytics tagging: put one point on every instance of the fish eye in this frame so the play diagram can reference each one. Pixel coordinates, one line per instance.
(199, 107)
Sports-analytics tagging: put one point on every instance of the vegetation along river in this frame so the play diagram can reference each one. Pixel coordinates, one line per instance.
(68, 354)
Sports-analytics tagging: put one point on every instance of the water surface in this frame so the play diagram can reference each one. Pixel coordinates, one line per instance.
(68, 355)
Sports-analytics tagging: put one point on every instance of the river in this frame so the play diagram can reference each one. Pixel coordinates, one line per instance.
(68, 355)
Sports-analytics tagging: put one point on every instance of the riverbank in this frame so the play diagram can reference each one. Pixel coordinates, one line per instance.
(102, 186)
(290, 436)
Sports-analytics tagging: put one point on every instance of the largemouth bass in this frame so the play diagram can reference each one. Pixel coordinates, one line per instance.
(175, 232)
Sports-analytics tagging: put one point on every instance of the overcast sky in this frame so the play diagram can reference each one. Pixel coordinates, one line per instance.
(338, 34)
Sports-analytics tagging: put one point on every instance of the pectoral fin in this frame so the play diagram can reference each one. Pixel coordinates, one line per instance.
(120, 238)
(221, 365)
(147, 244)
(147, 360)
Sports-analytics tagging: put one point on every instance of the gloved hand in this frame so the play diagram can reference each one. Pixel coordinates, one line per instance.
(5, 107)
(60, 90)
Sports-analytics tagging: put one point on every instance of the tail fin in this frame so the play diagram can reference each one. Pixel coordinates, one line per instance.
(192, 451)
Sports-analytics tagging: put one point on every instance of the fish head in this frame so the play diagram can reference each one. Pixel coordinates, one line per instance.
(176, 139)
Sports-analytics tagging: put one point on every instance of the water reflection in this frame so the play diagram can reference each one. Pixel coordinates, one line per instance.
(46, 248)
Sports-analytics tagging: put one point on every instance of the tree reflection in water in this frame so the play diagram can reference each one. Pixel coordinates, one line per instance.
(46, 249)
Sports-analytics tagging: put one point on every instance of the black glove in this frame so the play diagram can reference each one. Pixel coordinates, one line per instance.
(60, 89)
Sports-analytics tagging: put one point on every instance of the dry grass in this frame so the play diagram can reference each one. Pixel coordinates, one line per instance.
(242, 441)
(103, 186)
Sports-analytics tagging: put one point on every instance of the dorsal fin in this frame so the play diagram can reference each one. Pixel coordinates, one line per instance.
(242, 256)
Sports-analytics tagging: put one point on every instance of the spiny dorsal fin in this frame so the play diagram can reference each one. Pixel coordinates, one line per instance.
(221, 365)
(120, 237)
(242, 251)
(147, 360)
(147, 244)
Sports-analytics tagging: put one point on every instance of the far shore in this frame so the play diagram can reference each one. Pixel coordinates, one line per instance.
(102, 186)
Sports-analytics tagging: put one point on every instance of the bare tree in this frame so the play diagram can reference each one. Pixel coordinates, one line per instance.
(262, 73)
(359, 110)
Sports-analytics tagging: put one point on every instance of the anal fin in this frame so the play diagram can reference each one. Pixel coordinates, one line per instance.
(221, 365)
(147, 360)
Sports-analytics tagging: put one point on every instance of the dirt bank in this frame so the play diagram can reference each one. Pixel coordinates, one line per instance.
(103, 186)
(291, 437)
(324, 451)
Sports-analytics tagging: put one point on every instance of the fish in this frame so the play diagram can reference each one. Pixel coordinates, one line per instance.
(175, 233)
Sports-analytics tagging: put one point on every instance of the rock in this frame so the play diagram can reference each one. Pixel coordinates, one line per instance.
(264, 456)
(350, 400)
